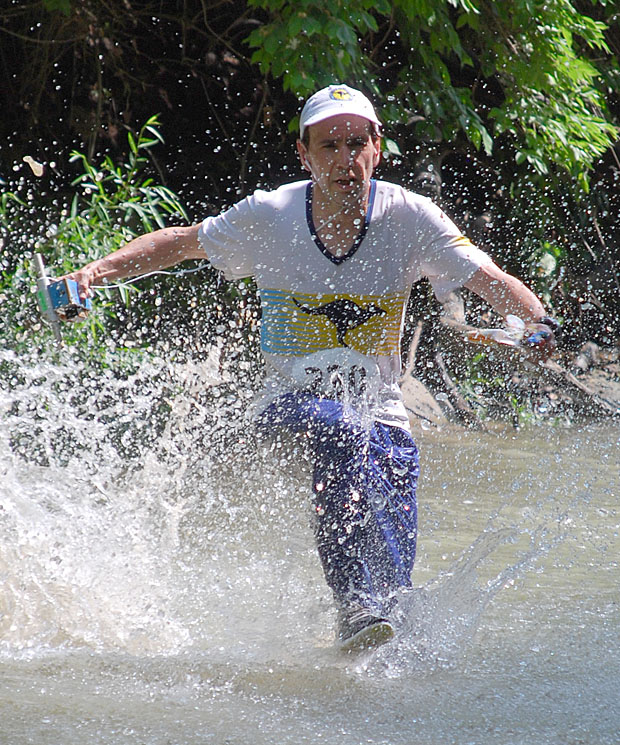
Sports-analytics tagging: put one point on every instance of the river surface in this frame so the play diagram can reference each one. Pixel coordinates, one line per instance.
(159, 583)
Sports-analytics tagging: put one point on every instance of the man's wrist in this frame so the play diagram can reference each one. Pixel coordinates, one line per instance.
(553, 324)
(103, 270)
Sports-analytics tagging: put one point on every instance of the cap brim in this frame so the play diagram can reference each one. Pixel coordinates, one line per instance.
(322, 116)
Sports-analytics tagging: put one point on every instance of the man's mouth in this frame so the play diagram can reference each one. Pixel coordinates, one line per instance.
(346, 183)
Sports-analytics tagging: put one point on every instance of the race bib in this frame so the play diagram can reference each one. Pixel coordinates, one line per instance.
(339, 374)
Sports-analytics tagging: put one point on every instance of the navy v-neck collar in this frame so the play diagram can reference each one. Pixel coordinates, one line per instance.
(360, 235)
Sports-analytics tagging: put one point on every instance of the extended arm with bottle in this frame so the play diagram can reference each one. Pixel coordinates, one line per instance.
(527, 326)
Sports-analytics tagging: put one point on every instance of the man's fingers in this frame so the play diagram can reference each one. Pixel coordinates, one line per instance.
(539, 348)
(83, 280)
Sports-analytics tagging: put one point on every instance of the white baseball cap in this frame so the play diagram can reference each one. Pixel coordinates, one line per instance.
(334, 100)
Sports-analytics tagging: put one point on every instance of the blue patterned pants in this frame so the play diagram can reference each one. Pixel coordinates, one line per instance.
(364, 495)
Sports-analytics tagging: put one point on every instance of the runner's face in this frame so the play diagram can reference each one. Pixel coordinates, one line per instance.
(341, 156)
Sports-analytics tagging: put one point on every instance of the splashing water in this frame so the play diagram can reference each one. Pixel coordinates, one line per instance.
(149, 545)
(109, 492)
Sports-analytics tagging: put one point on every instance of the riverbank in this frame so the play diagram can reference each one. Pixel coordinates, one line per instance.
(582, 386)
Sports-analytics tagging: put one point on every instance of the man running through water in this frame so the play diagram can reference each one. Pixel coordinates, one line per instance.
(334, 258)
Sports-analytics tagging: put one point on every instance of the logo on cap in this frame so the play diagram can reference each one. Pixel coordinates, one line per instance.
(340, 94)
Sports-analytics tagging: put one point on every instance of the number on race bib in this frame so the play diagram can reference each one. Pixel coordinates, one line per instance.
(336, 380)
(338, 374)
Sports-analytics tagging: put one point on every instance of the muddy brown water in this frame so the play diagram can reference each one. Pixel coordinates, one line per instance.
(171, 594)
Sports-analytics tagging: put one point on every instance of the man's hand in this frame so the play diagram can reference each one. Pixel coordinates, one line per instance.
(507, 295)
(85, 278)
(539, 341)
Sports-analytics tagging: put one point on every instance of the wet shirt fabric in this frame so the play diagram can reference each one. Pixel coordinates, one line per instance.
(313, 302)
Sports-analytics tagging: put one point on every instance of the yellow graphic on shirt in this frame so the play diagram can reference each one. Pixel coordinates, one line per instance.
(298, 323)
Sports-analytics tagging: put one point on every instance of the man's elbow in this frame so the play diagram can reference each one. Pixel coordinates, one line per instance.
(184, 243)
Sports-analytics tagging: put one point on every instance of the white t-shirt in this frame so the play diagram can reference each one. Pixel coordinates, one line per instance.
(314, 303)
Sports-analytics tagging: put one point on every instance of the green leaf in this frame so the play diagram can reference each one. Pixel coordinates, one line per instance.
(132, 143)
(346, 34)
(64, 6)
(391, 146)
(312, 26)
(487, 141)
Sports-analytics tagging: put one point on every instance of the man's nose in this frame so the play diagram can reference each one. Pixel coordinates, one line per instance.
(345, 155)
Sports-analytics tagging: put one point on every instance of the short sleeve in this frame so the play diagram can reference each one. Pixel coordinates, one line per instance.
(447, 257)
(454, 265)
(228, 240)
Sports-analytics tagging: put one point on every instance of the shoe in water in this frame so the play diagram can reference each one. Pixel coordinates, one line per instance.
(359, 629)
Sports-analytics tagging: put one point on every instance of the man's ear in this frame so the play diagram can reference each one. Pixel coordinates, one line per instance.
(377, 155)
(303, 155)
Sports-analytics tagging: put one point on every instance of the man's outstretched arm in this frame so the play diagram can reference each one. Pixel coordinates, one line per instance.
(146, 253)
(508, 295)
(505, 294)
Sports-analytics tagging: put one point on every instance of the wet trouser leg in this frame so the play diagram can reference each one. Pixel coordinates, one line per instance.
(364, 483)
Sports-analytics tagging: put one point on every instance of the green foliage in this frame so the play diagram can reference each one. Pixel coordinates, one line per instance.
(523, 72)
(313, 43)
(551, 102)
(116, 202)
(120, 195)
(492, 395)
(113, 203)
(64, 6)
(545, 268)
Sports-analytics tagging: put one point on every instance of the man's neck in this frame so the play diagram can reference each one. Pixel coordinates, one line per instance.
(344, 213)
(338, 226)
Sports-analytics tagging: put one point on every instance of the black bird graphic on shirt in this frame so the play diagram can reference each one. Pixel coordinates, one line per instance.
(345, 314)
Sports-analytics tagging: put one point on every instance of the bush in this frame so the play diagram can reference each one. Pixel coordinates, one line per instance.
(112, 203)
